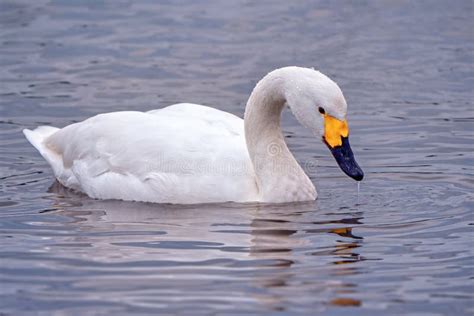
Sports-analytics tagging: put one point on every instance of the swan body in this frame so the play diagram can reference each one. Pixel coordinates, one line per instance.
(188, 153)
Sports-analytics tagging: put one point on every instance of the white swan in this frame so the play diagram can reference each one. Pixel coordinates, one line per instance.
(188, 153)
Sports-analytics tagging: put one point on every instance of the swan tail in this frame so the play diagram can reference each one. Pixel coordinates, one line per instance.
(37, 138)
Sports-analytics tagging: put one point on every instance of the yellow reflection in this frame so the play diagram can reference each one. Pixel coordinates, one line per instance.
(345, 301)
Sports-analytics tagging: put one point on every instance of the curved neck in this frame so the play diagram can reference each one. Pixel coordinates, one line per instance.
(279, 176)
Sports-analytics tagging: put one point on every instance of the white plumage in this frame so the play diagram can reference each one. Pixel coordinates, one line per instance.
(189, 153)
(169, 155)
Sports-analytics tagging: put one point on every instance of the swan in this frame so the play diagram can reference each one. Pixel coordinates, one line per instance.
(187, 153)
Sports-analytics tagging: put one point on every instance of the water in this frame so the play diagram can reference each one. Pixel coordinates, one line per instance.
(403, 245)
(358, 192)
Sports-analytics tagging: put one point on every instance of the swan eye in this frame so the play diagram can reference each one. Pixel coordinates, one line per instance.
(321, 110)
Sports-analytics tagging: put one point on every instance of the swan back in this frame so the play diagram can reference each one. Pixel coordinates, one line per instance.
(184, 153)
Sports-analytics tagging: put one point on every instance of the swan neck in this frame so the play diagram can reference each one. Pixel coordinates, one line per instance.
(279, 176)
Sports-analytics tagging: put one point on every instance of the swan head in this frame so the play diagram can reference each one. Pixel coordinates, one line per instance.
(318, 104)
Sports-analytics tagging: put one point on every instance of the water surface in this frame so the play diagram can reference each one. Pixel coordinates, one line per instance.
(403, 246)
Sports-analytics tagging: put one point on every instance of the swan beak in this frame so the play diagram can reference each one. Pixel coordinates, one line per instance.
(336, 137)
(345, 159)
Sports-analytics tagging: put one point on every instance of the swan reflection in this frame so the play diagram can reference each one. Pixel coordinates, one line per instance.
(259, 246)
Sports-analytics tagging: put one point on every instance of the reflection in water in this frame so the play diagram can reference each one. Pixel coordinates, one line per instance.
(344, 255)
(262, 245)
(274, 239)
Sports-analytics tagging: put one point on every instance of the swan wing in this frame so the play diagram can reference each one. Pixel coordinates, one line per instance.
(185, 153)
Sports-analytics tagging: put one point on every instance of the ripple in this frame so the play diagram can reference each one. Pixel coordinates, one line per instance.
(402, 245)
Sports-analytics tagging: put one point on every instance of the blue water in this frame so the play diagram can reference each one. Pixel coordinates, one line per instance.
(403, 245)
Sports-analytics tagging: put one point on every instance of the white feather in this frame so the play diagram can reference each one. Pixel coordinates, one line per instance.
(189, 153)
(178, 154)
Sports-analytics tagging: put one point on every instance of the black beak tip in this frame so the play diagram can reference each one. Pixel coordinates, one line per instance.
(358, 176)
(352, 169)
(345, 159)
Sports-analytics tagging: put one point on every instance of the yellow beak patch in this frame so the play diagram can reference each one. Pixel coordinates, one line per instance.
(334, 130)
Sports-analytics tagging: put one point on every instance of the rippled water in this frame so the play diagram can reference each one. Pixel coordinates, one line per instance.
(404, 245)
